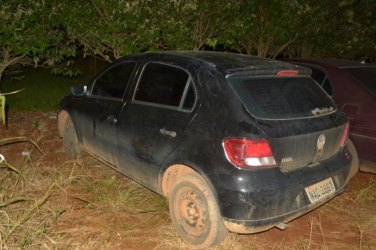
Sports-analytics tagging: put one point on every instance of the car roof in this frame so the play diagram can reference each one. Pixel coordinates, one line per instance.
(232, 63)
(337, 63)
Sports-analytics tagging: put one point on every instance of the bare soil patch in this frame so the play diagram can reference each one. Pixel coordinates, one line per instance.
(84, 204)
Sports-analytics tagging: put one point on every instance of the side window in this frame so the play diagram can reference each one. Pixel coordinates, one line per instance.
(327, 87)
(166, 85)
(114, 81)
(317, 75)
(321, 78)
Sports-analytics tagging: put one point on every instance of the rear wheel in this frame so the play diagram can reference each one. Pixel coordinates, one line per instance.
(355, 160)
(194, 212)
(70, 141)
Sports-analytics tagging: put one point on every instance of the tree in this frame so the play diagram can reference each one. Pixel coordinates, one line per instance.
(28, 34)
(332, 28)
(263, 28)
(111, 28)
(194, 24)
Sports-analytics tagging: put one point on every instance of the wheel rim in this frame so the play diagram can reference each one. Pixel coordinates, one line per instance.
(191, 211)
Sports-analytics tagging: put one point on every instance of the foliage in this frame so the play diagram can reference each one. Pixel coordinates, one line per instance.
(29, 33)
(342, 29)
(264, 28)
(194, 24)
(40, 31)
(110, 29)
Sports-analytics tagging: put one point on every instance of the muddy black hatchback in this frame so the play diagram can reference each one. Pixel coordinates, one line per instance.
(236, 143)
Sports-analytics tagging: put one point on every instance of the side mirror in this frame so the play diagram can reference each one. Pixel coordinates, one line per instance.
(79, 90)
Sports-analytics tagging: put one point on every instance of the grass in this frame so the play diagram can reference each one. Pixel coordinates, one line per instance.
(36, 196)
(83, 204)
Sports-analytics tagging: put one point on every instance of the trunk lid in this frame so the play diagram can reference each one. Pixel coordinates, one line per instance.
(308, 149)
(300, 121)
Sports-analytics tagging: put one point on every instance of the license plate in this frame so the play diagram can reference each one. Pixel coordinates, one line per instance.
(320, 190)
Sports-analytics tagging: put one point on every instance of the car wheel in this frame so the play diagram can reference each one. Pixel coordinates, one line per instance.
(355, 160)
(194, 212)
(70, 142)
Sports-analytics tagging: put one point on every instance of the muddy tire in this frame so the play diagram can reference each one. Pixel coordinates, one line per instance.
(70, 142)
(194, 212)
(355, 160)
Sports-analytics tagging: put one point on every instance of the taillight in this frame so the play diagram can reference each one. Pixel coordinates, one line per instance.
(345, 134)
(245, 153)
(287, 73)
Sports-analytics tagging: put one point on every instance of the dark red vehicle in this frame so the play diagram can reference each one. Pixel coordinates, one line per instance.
(352, 85)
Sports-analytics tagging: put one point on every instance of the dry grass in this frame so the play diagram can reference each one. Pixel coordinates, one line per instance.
(50, 202)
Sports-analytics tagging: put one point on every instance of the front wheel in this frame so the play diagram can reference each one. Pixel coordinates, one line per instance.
(70, 141)
(194, 212)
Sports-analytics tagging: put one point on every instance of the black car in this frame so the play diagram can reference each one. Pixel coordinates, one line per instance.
(236, 143)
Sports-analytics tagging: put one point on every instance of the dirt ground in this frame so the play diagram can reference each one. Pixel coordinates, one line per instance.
(58, 203)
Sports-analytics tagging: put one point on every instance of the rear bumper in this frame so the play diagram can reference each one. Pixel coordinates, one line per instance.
(255, 201)
(254, 226)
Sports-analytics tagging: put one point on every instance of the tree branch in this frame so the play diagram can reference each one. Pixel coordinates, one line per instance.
(283, 47)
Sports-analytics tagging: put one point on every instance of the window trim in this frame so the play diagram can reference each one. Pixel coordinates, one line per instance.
(90, 95)
(184, 94)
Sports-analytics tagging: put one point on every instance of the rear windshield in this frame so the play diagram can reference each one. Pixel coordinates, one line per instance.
(366, 76)
(282, 97)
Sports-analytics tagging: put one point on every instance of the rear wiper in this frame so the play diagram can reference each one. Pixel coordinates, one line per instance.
(321, 111)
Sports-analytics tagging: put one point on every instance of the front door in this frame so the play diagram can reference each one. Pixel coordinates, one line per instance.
(101, 110)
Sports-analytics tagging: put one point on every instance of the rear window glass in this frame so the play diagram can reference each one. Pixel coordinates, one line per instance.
(282, 97)
(366, 76)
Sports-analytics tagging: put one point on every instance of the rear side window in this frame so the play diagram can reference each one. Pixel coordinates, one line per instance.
(165, 85)
(282, 97)
(318, 75)
(322, 79)
(366, 76)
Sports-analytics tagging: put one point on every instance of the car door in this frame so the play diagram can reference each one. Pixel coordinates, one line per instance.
(101, 109)
(154, 122)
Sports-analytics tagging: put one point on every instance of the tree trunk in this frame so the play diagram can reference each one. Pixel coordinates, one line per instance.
(1, 78)
(7, 61)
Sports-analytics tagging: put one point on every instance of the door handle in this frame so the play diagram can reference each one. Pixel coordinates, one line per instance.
(111, 119)
(167, 132)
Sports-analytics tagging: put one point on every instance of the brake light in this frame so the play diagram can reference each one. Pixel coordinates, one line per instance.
(245, 153)
(345, 134)
(287, 73)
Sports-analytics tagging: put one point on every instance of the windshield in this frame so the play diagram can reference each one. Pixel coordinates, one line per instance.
(274, 97)
(366, 76)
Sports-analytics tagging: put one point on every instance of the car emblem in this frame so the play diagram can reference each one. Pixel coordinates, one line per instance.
(321, 142)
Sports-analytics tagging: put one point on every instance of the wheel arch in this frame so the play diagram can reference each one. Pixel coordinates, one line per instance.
(171, 174)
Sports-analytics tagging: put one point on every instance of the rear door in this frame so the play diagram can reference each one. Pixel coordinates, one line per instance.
(154, 122)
